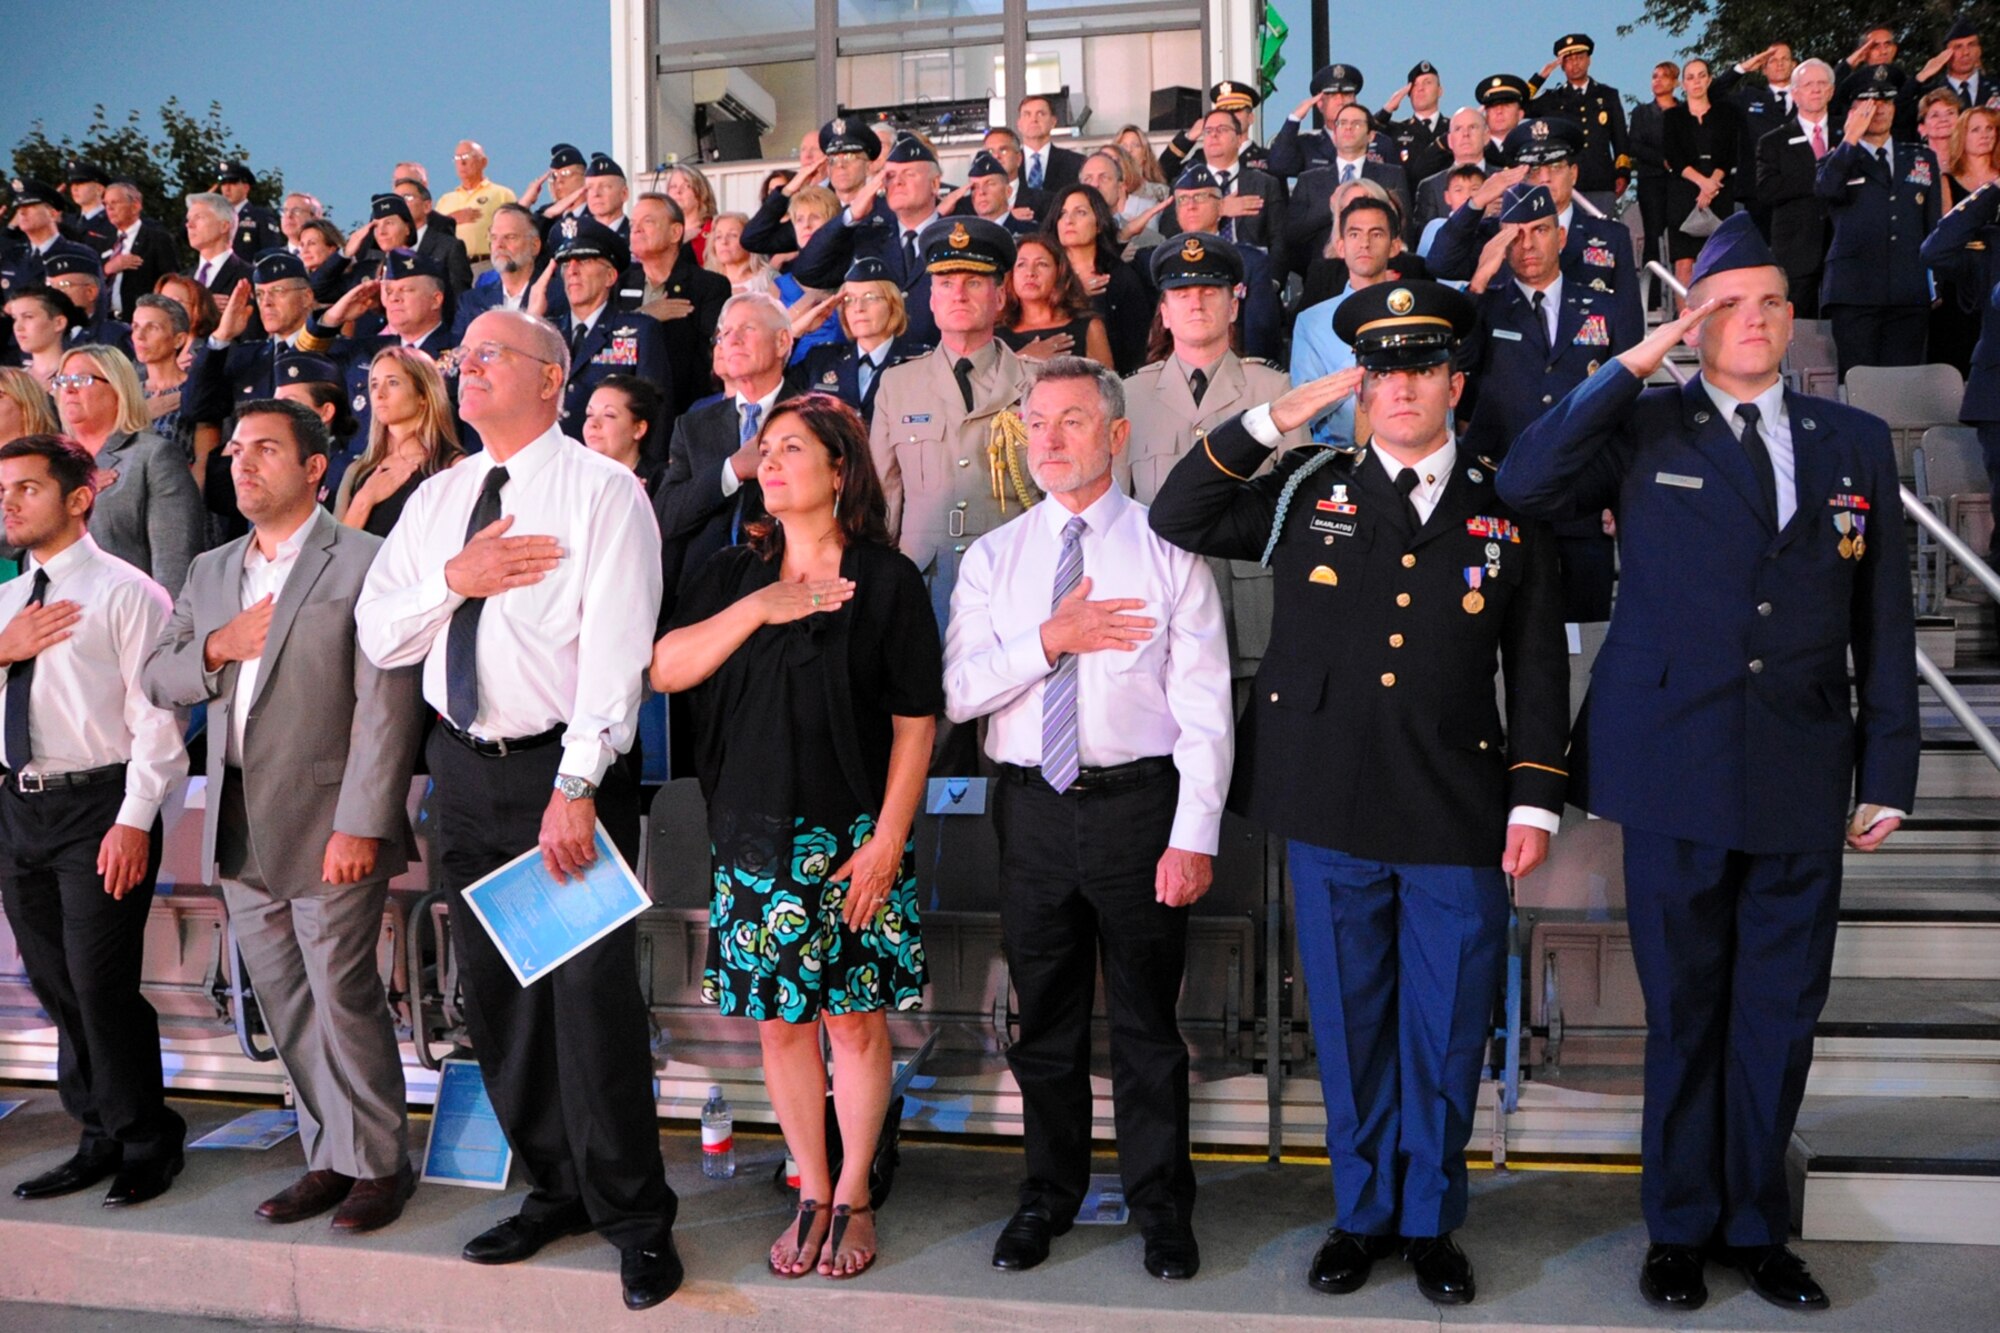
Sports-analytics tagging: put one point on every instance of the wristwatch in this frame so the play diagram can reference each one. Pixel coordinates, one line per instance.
(575, 789)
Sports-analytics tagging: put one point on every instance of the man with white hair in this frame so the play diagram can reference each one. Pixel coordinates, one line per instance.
(298, 209)
(1787, 165)
(211, 232)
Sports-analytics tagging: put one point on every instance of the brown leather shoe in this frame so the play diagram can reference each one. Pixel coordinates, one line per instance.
(376, 1201)
(308, 1196)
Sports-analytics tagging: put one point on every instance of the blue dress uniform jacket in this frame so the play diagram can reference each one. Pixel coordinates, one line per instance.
(1372, 726)
(257, 230)
(1718, 707)
(623, 342)
(353, 356)
(1597, 253)
(1599, 109)
(835, 368)
(1516, 375)
(834, 248)
(239, 373)
(1878, 224)
(1965, 248)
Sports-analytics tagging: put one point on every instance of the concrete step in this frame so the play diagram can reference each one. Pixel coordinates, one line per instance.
(1908, 1037)
(1898, 1169)
(1918, 930)
(1952, 767)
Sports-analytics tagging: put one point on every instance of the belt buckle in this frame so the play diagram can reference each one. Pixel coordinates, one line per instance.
(501, 746)
(40, 781)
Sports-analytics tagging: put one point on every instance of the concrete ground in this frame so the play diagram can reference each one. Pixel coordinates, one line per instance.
(1553, 1249)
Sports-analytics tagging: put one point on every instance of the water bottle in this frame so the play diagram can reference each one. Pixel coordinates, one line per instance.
(718, 1137)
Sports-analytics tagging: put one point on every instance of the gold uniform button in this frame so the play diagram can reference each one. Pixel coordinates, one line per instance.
(1402, 599)
(1482, 745)
(965, 462)
(1395, 641)
(1388, 678)
(1409, 562)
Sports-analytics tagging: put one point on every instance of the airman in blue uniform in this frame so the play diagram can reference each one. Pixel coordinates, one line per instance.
(602, 340)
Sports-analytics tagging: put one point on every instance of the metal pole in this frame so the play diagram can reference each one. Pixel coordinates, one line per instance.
(1982, 736)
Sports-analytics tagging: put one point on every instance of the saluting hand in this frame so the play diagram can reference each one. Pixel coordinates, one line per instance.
(242, 638)
(1496, 185)
(34, 627)
(493, 562)
(1492, 256)
(1080, 625)
(1527, 847)
(235, 313)
(361, 298)
(1645, 358)
(1295, 407)
(1856, 123)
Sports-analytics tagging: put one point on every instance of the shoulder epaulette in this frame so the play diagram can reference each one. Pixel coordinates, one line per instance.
(1264, 361)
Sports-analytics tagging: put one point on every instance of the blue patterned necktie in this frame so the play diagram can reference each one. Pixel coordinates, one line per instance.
(1034, 171)
(751, 411)
(1060, 756)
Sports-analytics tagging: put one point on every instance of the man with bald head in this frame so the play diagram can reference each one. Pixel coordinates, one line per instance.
(471, 205)
(526, 582)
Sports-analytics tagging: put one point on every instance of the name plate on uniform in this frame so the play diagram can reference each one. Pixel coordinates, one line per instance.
(1676, 479)
(467, 1146)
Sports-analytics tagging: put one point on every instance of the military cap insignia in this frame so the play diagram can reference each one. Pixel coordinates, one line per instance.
(959, 238)
(1539, 128)
(291, 372)
(361, 402)
(15, 185)
(569, 227)
(840, 125)
(1401, 302)
(1192, 251)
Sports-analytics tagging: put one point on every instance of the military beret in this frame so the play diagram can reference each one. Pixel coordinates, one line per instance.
(276, 266)
(391, 205)
(28, 190)
(1574, 43)
(909, 148)
(1197, 177)
(844, 134)
(602, 165)
(1878, 83)
(984, 164)
(1336, 79)
(403, 262)
(231, 172)
(587, 238)
(1421, 68)
(1196, 259)
(76, 171)
(1735, 244)
(868, 268)
(1496, 89)
(64, 263)
(1545, 139)
(305, 368)
(1961, 30)
(966, 245)
(1404, 325)
(565, 155)
(1229, 95)
(1527, 203)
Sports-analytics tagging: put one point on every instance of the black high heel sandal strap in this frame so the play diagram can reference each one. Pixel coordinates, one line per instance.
(808, 1209)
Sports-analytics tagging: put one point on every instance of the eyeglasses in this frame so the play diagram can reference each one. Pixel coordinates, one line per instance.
(77, 381)
(488, 354)
(465, 157)
(868, 298)
(71, 284)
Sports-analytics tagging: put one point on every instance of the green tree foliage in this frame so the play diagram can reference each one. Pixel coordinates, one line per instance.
(1732, 30)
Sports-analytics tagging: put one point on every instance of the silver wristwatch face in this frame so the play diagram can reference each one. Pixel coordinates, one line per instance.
(574, 789)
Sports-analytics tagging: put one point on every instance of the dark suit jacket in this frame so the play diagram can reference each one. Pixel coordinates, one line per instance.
(825, 261)
(449, 252)
(1965, 248)
(689, 339)
(1763, 110)
(1064, 166)
(1309, 217)
(1719, 705)
(223, 278)
(158, 255)
(696, 518)
(1786, 169)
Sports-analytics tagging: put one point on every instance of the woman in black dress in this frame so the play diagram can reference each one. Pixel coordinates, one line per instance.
(1703, 139)
(815, 670)
(1080, 222)
(1046, 312)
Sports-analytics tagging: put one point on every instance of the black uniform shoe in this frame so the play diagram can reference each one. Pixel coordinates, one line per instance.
(1024, 1241)
(651, 1273)
(519, 1238)
(78, 1173)
(1778, 1275)
(1443, 1272)
(1345, 1259)
(1671, 1277)
(139, 1182)
(1171, 1253)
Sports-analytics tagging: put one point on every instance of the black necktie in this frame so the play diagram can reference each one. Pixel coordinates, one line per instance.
(909, 254)
(1542, 320)
(576, 337)
(1197, 384)
(1406, 482)
(962, 372)
(19, 751)
(1760, 459)
(461, 644)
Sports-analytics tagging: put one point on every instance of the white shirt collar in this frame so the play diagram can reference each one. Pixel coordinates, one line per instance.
(1433, 470)
(1770, 403)
(80, 551)
(1097, 516)
(1552, 294)
(288, 549)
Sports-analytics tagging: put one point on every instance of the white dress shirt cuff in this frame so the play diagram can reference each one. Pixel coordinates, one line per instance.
(731, 483)
(586, 759)
(1023, 658)
(137, 812)
(1883, 812)
(218, 344)
(1548, 821)
(1196, 829)
(1262, 429)
(436, 592)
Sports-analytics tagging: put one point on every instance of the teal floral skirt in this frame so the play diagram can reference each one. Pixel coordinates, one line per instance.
(777, 946)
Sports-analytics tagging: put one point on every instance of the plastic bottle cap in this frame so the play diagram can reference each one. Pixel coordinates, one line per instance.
(714, 1092)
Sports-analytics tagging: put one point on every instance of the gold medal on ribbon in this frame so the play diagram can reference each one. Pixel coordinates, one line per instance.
(1474, 601)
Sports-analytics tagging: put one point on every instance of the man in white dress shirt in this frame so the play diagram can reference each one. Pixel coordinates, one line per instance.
(89, 762)
(1098, 653)
(527, 582)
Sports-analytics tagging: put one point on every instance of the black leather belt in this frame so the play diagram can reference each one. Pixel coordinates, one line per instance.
(500, 749)
(34, 784)
(1114, 778)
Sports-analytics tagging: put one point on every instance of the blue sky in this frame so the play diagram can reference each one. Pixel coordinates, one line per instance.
(336, 93)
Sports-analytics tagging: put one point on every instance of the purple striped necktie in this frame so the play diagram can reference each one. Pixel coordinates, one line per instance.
(1060, 756)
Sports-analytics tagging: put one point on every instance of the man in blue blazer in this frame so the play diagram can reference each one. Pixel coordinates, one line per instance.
(908, 181)
(1762, 542)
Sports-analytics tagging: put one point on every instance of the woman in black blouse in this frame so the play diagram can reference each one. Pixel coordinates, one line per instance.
(1081, 223)
(815, 671)
(1703, 139)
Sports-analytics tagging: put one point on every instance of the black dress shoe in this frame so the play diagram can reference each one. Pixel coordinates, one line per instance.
(1443, 1272)
(78, 1173)
(519, 1237)
(1671, 1277)
(1345, 1259)
(1171, 1252)
(139, 1182)
(651, 1273)
(1779, 1276)
(1024, 1241)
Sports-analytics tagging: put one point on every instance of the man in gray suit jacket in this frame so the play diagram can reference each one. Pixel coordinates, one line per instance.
(310, 752)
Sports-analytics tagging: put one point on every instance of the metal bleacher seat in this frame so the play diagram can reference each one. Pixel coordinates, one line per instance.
(1810, 363)
(1912, 399)
(1950, 477)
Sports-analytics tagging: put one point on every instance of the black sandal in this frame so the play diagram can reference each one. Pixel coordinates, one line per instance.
(842, 1214)
(809, 1209)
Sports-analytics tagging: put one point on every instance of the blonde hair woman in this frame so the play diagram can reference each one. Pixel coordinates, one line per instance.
(148, 512)
(412, 436)
(25, 408)
(686, 186)
(746, 272)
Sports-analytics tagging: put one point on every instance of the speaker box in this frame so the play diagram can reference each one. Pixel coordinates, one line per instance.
(1175, 108)
(731, 141)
